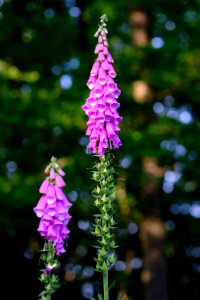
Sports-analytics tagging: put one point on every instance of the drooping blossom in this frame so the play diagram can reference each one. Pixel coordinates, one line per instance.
(101, 106)
(53, 208)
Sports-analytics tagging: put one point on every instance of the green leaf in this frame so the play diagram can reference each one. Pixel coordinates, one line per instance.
(100, 297)
(112, 285)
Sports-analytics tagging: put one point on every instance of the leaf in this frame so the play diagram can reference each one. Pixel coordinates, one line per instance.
(100, 297)
(112, 285)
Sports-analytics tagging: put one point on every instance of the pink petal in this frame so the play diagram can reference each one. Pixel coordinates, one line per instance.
(109, 97)
(44, 186)
(110, 130)
(105, 51)
(117, 117)
(50, 200)
(91, 82)
(112, 72)
(117, 92)
(111, 85)
(51, 211)
(94, 135)
(101, 105)
(101, 150)
(114, 106)
(100, 40)
(106, 65)
(66, 202)
(46, 171)
(108, 115)
(51, 191)
(52, 174)
(104, 139)
(59, 193)
(100, 117)
(110, 59)
(95, 68)
(101, 57)
(92, 146)
(51, 231)
(85, 107)
(98, 90)
(42, 229)
(40, 207)
(102, 76)
(59, 181)
(61, 172)
(98, 48)
(116, 141)
(92, 101)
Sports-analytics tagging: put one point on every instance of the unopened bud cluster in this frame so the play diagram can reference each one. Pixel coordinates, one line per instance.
(105, 196)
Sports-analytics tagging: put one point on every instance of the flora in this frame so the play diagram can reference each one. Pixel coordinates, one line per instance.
(53, 211)
(101, 107)
(102, 128)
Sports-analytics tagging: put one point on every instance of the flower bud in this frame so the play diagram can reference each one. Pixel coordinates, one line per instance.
(104, 267)
(97, 231)
(111, 259)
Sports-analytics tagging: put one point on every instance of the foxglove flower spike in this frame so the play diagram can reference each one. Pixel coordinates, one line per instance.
(101, 106)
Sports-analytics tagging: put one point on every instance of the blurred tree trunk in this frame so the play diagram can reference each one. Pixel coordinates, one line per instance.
(154, 269)
(152, 233)
(152, 229)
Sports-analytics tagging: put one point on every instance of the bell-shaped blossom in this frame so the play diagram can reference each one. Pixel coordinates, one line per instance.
(101, 106)
(53, 208)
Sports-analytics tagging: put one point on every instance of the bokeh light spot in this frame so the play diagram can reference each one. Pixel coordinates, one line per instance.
(66, 81)
(87, 290)
(49, 13)
(75, 12)
(157, 42)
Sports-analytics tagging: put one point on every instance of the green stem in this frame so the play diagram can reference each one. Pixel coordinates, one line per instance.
(105, 286)
(49, 297)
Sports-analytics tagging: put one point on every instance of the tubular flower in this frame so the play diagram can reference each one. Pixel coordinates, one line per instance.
(52, 208)
(101, 106)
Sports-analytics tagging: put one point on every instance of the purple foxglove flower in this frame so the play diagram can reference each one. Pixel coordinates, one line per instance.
(53, 208)
(95, 68)
(59, 181)
(52, 174)
(102, 76)
(101, 56)
(44, 186)
(101, 106)
(91, 82)
(41, 206)
(48, 269)
(98, 48)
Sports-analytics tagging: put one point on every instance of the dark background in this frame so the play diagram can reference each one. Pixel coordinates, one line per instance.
(46, 53)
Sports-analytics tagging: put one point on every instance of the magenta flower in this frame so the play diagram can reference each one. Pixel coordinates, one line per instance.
(52, 208)
(101, 106)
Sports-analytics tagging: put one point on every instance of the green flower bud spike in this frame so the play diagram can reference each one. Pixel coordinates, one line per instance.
(104, 222)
